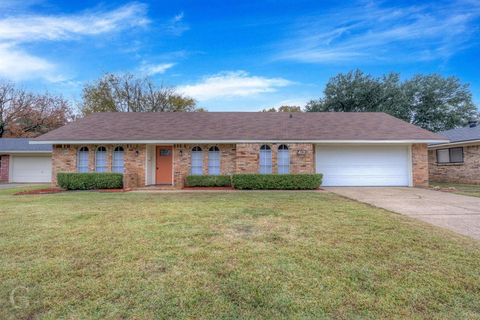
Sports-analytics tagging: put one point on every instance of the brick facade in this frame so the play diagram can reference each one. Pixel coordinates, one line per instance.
(235, 158)
(64, 159)
(239, 158)
(302, 158)
(183, 158)
(420, 165)
(466, 172)
(4, 168)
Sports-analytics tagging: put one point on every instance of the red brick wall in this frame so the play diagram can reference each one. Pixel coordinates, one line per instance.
(4, 168)
(183, 159)
(64, 159)
(302, 157)
(420, 165)
(241, 158)
(466, 172)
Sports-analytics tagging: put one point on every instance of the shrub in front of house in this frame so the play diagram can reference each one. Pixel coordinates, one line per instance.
(90, 181)
(208, 181)
(276, 181)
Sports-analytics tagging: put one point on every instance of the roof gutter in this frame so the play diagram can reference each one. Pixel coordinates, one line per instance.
(440, 145)
(23, 151)
(236, 141)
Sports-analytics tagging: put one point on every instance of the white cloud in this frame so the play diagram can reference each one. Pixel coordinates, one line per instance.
(176, 26)
(232, 84)
(178, 17)
(28, 28)
(17, 63)
(153, 69)
(369, 33)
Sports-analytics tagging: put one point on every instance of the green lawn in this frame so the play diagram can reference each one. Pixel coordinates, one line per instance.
(460, 188)
(249, 255)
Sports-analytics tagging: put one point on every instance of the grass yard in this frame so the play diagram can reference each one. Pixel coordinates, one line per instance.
(465, 189)
(227, 255)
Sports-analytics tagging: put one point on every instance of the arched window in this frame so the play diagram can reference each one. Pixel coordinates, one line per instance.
(82, 160)
(101, 159)
(283, 159)
(197, 161)
(117, 160)
(265, 159)
(214, 161)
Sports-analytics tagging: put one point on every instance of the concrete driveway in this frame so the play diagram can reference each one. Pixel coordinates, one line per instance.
(452, 211)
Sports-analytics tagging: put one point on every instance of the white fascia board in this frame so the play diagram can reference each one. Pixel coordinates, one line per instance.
(234, 141)
(24, 151)
(450, 144)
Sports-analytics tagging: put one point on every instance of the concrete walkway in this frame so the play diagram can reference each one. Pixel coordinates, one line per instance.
(452, 211)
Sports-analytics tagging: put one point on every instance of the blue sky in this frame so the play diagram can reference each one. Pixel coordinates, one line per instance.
(235, 55)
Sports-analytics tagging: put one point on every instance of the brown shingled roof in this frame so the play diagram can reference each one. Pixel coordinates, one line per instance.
(238, 126)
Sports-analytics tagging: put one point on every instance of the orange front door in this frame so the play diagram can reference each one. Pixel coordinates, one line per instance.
(164, 164)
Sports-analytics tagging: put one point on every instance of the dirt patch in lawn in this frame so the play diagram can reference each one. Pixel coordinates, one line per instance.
(59, 190)
(40, 191)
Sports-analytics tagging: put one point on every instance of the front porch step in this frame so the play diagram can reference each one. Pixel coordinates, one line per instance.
(156, 187)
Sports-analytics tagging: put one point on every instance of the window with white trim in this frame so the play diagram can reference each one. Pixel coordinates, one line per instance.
(101, 159)
(82, 160)
(197, 161)
(283, 159)
(265, 159)
(117, 160)
(214, 161)
(451, 155)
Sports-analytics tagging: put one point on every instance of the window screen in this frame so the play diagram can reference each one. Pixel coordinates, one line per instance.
(265, 160)
(452, 155)
(117, 160)
(197, 161)
(456, 155)
(101, 159)
(214, 161)
(82, 160)
(283, 159)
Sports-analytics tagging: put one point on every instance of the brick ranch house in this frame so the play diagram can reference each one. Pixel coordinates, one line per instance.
(349, 149)
(458, 160)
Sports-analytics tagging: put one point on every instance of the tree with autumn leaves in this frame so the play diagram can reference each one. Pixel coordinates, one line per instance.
(26, 114)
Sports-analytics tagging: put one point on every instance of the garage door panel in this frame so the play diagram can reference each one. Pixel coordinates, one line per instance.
(363, 165)
(363, 181)
(31, 169)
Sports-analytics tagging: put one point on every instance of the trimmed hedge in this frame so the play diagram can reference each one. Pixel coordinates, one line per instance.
(208, 181)
(89, 181)
(277, 181)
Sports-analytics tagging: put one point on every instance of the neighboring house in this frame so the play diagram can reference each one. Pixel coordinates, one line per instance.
(349, 149)
(24, 162)
(458, 160)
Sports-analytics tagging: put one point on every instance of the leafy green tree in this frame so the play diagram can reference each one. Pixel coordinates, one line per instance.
(429, 101)
(128, 93)
(284, 109)
(437, 103)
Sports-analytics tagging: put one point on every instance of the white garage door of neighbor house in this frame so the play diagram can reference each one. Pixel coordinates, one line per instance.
(363, 165)
(31, 169)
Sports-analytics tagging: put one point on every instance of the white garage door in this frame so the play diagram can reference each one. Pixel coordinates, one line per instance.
(363, 165)
(31, 169)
